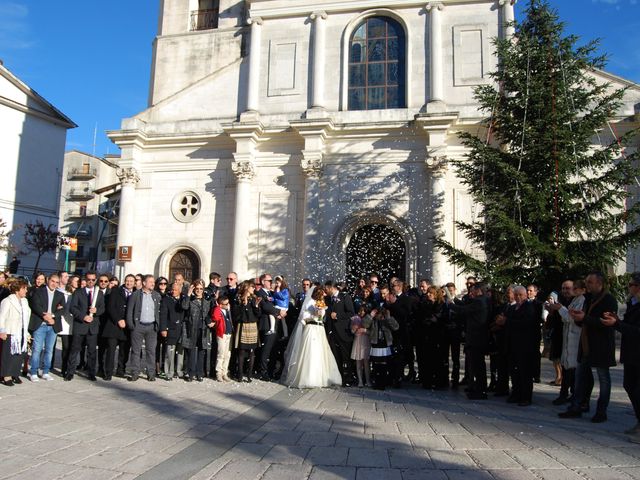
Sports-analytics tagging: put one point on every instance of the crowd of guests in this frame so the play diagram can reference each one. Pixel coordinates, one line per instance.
(381, 335)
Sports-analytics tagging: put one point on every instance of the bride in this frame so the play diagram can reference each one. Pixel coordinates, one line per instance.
(308, 359)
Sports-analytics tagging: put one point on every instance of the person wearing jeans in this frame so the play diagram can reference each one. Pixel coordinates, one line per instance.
(47, 305)
(143, 317)
(596, 349)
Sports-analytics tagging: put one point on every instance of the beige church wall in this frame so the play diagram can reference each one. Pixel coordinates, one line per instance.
(183, 59)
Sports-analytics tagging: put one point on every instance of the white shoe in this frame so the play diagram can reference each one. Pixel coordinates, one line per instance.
(34, 378)
(47, 377)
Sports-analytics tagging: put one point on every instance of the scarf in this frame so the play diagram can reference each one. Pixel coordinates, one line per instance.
(19, 341)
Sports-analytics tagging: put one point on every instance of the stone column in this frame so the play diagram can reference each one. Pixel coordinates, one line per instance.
(435, 52)
(437, 168)
(318, 59)
(253, 93)
(244, 171)
(129, 178)
(508, 16)
(313, 168)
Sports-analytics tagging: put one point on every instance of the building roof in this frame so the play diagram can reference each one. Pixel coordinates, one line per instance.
(38, 106)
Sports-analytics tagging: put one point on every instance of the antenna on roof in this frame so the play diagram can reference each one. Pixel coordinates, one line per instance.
(95, 134)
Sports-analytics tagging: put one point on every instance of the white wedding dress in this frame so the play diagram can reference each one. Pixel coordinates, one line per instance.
(309, 362)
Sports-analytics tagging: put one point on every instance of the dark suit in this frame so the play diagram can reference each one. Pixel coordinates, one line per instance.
(39, 304)
(268, 338)
(630, 354)
(522, 345)
(84, 332)
(403, 310)
(115, 336)
(339, 333)
(143, 331)
(476, 313)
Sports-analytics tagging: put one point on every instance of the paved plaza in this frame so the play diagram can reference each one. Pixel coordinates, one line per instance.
(177, 430)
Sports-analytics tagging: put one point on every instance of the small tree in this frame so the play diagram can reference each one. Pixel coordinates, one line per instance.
(40, 239)
(553, 204)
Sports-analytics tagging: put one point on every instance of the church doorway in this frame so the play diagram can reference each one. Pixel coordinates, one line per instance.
(375, 248)
(185, 262)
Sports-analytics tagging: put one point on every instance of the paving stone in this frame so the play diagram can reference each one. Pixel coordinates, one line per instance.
(414, 428)
(557, 474)
(465, 442)
(381, 440)
(493, 459)
(241, 469)
(349, 440)
(315, 425)
(287, 472)
(468, 475)
(502, 442)
(539, 441)
(43, 471)
(450, 459)
(332, 473)
(211, 469)
(448, 429)
(534, 459)
(409, 458)
(603, 473)
(286, 454)
(633, 472)
(14, 464)
(378, 474)
(573, 458)
(613, 457)
(282, 438)
(413, 474)
(368, 457)
(109, 458)
(519, 474)
(380, 427)
(429, 442)
(327, 456)
(318, 439)
(85, 473)
(247, 451)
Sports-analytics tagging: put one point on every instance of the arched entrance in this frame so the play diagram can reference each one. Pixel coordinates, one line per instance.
(185, 262)
(376, 248)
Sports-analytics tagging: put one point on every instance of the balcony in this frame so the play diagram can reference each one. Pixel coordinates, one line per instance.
(82, 192)
(81, 174)
(78, 214)
(204, 19)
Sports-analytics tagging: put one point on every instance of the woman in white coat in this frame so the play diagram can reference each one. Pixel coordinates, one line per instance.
(14, 322)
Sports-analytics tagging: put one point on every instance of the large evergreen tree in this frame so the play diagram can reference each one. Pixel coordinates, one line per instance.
(553, 201)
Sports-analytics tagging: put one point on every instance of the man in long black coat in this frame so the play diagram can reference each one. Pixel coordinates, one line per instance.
(476, 313)
(86, 325)
(115, 330)
(338, 326)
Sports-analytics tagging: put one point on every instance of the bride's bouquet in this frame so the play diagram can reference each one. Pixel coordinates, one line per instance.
(319, 308)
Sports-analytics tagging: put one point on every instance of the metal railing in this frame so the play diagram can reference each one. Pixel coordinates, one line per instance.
(204, 19)
(81, 193)
(78, 213)
(81, 173)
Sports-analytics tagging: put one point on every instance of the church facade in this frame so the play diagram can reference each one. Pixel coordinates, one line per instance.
(306, 138)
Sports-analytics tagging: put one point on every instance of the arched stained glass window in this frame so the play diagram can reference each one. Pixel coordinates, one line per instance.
(377, 65)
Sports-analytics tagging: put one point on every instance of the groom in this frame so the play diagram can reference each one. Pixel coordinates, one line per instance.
(338, 325)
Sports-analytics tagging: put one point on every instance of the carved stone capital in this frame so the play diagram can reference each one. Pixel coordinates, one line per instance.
(128, 176)
(243, 169)
(431, 5)
(256, 20)
(318, 15)
(312, 165)
(511, 3)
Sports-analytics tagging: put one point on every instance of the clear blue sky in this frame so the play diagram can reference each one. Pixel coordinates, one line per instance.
(92, 59)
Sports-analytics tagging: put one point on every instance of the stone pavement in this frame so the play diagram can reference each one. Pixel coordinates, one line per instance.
(177, 430)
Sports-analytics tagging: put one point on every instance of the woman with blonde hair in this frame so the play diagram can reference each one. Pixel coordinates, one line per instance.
(14, 322)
